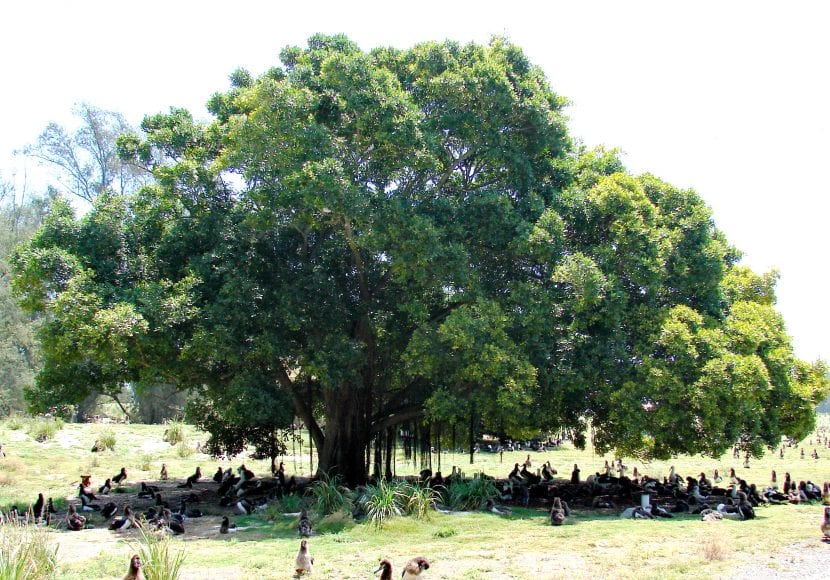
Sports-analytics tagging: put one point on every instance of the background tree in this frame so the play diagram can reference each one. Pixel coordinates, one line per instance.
(20, 216)
(86, 160)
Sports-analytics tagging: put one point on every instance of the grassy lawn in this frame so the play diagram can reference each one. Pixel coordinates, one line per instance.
(463, 545)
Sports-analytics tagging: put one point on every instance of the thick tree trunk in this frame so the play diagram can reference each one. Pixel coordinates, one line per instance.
(346, 436)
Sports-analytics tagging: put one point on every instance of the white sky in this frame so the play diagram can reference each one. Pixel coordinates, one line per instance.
(730, 98)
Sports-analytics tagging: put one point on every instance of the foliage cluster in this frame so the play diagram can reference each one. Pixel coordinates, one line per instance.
(20, 216)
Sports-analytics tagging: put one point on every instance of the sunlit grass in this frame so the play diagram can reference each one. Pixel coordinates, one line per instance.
(461, 546)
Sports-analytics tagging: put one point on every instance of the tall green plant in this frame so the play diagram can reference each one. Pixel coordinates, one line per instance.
(26, 553)
(470, 494)
(159, 562)
(381, 503)
(330, 495)
(415, 499)
(107, 439)
(174, 433)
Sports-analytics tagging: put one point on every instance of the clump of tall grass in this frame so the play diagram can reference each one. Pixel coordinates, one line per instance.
(713, 550)
(42, 429)
(470, 494)
(389, 499)
(174, 434)
(15, 422)
(106, 440)
(335, 523)
(330, 495)
(290, 503)
(415, 499)
(287, 504)
(145, 462)
(26, 553)
(159, 562)
(184, 450)
(381, 502)
(92, 463)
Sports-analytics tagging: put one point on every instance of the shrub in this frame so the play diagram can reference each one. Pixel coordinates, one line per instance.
(25, 553)
(106, 440)
(330, 495)
(92, 463)
(288, 504)
(158, 561)
(174, 434)
(713, 550)
(335, 523)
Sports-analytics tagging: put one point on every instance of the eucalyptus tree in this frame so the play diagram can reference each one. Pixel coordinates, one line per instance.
(20, 216)
(86, 160)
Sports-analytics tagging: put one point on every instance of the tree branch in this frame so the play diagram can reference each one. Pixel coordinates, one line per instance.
(123, 410)
(301, 406)
(391, 418)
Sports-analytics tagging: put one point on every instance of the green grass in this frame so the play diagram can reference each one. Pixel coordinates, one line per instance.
(469, 545)
(26, 553)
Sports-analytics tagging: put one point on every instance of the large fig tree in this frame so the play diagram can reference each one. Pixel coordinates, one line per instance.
(369, 239)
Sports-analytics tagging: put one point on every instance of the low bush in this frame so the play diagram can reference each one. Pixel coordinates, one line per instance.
(184, 450)
(290, 504)
(145, 462)
(15, 422)
(416, 500)
(335, 523)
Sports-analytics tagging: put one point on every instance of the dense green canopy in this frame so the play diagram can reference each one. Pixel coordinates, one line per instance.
(366, 239)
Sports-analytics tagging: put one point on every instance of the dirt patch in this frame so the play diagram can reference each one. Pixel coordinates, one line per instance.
(805, 561)
(87, 544)
(66, 439)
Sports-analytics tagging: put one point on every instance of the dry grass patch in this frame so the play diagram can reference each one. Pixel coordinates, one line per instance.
(713, 550)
